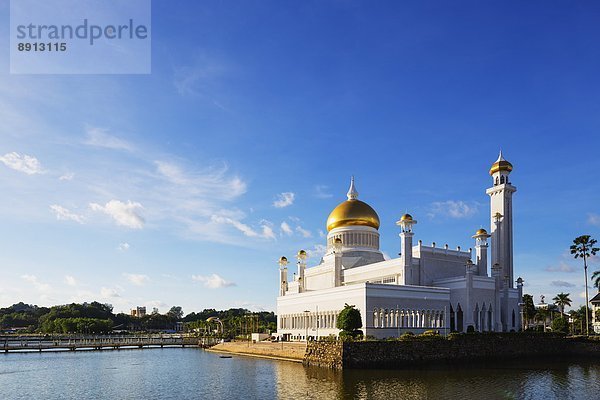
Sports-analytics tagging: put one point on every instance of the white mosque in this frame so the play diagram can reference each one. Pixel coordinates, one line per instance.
(427, 287)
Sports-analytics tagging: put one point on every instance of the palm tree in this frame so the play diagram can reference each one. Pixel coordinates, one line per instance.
(562, 300)
(596, 279)
(529, 309)
(583, 246)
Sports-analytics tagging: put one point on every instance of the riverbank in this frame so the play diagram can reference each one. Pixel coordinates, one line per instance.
(286, 351)
(458, 349)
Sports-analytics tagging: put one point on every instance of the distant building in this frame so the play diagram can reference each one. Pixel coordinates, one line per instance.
(138, 312)
(595, 308)
(427, 287)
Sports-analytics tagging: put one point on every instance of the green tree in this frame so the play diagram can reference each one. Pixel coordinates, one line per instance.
(583, 247)
(528, 309)
(349, 321)
(175, 313)
(562, 300)
(560, 325)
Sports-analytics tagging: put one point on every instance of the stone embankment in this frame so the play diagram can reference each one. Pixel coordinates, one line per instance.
(288, 351)
(456, 350)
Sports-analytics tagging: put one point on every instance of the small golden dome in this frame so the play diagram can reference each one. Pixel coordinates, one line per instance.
(501, 165)
(283, 259)
(406, 217)
(301, 253)
(353, 213)
(481, 232)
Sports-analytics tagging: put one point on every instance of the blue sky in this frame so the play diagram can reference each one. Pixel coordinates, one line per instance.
(183, 187)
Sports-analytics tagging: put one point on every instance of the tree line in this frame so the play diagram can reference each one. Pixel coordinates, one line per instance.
(99, 318)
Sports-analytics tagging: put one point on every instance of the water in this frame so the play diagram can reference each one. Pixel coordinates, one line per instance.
(176, 373)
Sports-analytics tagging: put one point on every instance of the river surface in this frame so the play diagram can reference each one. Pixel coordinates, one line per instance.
(189, 373)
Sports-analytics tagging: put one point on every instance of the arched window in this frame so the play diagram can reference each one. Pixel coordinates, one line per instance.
(502, 179)
(513, 318)
(375, 319)
(459, 319)
(496, 180)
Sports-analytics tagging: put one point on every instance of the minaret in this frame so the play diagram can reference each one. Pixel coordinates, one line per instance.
(501, 216)
(481, 247)
(301, 267)
(283, 275)
(406, 223)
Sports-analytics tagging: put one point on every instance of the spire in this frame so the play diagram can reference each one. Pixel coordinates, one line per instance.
(500, 158)
(352, 193)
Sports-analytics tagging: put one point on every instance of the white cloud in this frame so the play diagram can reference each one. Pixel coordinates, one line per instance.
(245, 229)
(322, 234)
(266, 227)
(212, 281)
(267, 232)
(212, 181)
(42, 287)
(318, 251)
(99, 137)
(593, 219)
(321, 192)
(199, 78)
(286, 228)
(284, 199)
(453, 209)
(124, 214)
(70, 280)
(248, 305)
(137, 279)
(66, 177)
(124, 246)
(562, 284)
(305, 233)
(108, 293)
(22, 163)
(561, 267)
(172, 172)
(66, 215)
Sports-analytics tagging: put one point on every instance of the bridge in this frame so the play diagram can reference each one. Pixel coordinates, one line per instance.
(72, 343)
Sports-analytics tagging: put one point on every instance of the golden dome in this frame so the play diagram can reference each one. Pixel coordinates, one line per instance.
(301, 253)
(283, 259)
(500, 165)
(406, 217)
(481, 233)
(353, 213)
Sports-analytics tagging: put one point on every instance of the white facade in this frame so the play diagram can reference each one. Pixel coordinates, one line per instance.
(595, 308)
(427, 287)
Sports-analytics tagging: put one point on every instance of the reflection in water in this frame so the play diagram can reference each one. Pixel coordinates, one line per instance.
(514, 380)
(194, 374)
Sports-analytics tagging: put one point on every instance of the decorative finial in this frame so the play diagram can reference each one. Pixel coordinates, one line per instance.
(500, 157)
(352, 193)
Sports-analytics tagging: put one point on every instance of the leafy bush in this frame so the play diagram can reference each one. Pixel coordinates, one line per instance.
(349, 319)
(561, 325)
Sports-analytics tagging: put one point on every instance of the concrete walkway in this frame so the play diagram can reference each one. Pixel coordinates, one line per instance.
(287, 351)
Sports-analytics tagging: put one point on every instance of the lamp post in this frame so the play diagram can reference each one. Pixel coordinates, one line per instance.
(317, 322)
(306, 312)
